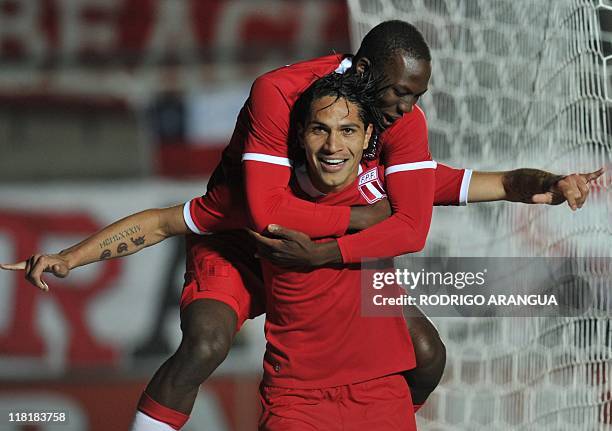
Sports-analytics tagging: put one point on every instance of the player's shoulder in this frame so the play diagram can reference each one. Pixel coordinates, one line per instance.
(406, 140)
(300, 74)
(327, 62)
(412, 123)
(414, 118)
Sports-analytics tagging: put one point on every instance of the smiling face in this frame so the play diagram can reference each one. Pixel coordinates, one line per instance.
(405, 79)
(333, 137)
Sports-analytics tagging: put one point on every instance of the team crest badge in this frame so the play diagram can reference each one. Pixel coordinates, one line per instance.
(370, 186)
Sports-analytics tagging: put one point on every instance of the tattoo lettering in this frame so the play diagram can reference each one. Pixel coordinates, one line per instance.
(120, 235)
(138, 241)
(105, 254)
(122, 248)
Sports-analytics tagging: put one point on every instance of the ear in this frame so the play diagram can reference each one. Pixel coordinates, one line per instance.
(368, 135)
(363, 64)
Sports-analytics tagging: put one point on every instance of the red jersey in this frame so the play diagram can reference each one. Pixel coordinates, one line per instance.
(316, 335)
(260, 140)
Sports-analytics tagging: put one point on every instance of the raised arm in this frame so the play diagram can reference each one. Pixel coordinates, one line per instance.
(124, 237)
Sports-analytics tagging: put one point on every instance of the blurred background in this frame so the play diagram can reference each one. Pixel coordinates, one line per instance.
(108, 107)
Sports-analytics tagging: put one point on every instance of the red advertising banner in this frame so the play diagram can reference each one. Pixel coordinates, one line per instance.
(26, 231)
(94, 32)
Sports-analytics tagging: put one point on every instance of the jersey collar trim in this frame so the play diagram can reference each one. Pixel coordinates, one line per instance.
(344, 65)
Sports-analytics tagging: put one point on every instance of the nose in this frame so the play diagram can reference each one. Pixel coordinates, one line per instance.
(405, 107)
(333, 143)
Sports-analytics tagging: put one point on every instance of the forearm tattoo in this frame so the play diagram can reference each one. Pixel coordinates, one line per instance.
(138, 241)
(521, 184)
(120, 235)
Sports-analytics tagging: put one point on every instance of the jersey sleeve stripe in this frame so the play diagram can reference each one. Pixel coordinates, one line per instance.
(275, 160)
(465, 186)
(429, 164)
(188, 220)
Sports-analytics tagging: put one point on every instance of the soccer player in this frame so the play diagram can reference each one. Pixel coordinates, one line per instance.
(211, 315)
(326, 366)
(396, 52)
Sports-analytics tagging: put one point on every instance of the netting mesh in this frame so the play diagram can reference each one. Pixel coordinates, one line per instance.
(519, 83)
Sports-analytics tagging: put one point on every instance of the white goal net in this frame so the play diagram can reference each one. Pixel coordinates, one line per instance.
(519, 83)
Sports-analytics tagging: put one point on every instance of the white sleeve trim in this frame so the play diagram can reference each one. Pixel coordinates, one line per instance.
(188, 220)
(275, 160)
(430, 164)
(465, 186)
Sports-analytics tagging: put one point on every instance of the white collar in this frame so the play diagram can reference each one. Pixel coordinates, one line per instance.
(344, 65)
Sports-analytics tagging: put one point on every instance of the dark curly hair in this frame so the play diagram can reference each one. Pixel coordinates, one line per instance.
(359, 89)
(390, 37)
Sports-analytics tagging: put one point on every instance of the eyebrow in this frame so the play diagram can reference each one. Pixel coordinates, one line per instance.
(407, 90)
(350, 125)
(318, 123)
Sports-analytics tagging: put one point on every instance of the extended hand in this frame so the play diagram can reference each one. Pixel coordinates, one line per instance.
(37, 264)
(294, 250)
(572, 188)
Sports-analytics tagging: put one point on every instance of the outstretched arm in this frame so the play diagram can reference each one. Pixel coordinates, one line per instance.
(293, 249)
(124, 237)
(532, 186)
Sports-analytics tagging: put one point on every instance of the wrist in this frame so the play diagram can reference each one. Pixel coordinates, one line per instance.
(521, 184)
(356, 218)
(327, 253)
(70, 258)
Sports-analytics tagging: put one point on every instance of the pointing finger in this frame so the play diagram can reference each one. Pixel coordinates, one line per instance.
(20, 266)
(594, 175)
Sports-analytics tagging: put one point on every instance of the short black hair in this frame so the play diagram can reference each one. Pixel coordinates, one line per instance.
(359, 89)
(390, 37)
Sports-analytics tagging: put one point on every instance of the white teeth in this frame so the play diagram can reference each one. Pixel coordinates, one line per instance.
(332, 161)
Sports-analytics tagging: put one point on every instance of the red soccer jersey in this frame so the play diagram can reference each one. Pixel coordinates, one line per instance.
(316, 335)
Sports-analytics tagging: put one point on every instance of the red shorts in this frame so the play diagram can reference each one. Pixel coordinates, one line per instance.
(382, 404)
(223, 267)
